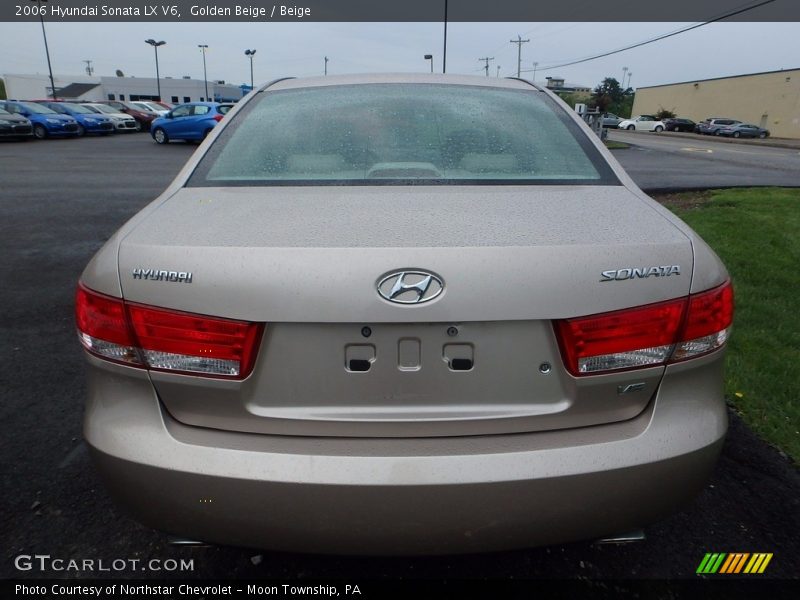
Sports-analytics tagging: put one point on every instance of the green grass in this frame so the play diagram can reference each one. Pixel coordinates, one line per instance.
(756, 233)
(612, 145)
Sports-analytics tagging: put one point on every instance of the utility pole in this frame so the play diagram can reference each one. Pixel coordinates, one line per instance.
(326, 65)
(205, 74)
(498, 71)
(89, 69)
(519, 41)
(486, 59)
(444, 51)
(535, 64)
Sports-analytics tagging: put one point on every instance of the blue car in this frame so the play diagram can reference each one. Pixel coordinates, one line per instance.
(88, 120)
(46, 122)
(191, 121)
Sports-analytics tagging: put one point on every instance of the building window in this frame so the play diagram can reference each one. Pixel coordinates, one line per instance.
(111, 97)
(175, 100)
(122, 96)
(187, 99)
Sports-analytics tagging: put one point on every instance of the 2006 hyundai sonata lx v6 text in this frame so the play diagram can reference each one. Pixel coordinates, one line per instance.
(403, 314)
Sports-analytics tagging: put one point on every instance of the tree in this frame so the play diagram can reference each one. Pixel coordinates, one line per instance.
(2, 90)
(607, 94)
(663, 113)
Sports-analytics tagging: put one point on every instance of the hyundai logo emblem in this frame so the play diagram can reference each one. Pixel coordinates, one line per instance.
(410, 287)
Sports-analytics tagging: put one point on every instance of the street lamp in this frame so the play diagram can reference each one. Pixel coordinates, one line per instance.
(250, 54)
(205, 75)
(46, 49)
(430, 58)
(155, 46)
(535, 64)
(498, 71)
(630, 74)
(624, 72)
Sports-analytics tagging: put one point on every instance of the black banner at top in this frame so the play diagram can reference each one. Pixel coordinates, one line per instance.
(400, 10)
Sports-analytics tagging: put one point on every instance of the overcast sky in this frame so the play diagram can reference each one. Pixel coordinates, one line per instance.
(298, 49)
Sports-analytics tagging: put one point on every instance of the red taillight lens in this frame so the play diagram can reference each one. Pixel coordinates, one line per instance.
(176, 341)
(647, 335)
(623, 339)
(165, 340)
(218, 118)
(103, 327)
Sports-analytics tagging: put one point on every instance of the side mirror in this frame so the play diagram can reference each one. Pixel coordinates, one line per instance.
(169, 115)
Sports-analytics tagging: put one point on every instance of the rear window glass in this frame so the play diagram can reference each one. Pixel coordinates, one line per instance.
(401, 133)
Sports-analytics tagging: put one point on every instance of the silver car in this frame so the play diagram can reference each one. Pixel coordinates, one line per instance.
(403, 314)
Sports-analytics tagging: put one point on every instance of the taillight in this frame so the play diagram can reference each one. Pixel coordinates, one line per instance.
(217, 118)
(163, 339)
(648, 335)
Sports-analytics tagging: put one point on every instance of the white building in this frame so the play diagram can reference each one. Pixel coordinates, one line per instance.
(86, 88)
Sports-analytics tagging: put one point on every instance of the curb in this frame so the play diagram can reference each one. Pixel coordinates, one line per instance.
(771, 142)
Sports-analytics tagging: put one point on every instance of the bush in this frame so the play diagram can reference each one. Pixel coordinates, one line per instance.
(663, 113)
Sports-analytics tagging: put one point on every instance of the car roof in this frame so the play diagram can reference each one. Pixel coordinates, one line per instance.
(437, 78)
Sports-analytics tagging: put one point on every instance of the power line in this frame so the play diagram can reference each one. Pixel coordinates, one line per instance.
(660, 37)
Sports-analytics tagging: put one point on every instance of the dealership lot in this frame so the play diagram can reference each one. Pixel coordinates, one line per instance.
(61, 199)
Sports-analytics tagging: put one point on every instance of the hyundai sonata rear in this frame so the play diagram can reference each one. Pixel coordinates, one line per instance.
(403, 314)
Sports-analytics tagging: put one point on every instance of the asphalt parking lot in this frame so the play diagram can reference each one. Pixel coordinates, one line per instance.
(60, 201)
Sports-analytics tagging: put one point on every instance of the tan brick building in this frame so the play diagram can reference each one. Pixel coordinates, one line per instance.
(770, 100)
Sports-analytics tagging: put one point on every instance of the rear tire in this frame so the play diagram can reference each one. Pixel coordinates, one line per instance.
(81, 131)
(658, 129)
(630, 127)
(138, 126)
(39, 131)
(736, 134)
(206, 132)
(160, 136)
(763, 135)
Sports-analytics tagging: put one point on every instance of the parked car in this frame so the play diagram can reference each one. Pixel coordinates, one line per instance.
(45, 122)
(523, 349)
(642, 123)
(122, 121)
(152, 107)
(743, 130)
(712, 124)
(611, 120)
(679, 124)
(191, 121)
(14, 126)
(144, 118)
(88, 120)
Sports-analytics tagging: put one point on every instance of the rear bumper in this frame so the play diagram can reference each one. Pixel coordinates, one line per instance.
(401, 496)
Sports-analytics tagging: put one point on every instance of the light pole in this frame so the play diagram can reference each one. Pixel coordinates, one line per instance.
(251, 54)
(536, 64)
(205, 75)
(155, 46)
(624, 72)
(630, 74)
(46, 49)
(326, 65)
(444, 49)
(430, 58)
(498, 71)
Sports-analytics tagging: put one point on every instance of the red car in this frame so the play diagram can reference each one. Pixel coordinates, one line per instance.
(143, 118)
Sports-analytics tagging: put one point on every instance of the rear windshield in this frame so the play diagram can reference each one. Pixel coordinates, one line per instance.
(399, 134)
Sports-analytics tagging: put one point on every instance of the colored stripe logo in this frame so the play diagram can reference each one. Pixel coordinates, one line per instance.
(733, 563)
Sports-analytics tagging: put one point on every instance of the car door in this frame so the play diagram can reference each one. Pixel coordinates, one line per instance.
(645, 124)
(179, 124)
(200, 114)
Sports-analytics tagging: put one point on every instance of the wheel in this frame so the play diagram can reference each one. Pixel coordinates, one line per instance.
(138, 126)
(39, 131)
(763, 134)
(736, 134)
(206, 132)
(630, 127)
(160, 136)
(81, 131)
(658, 129)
